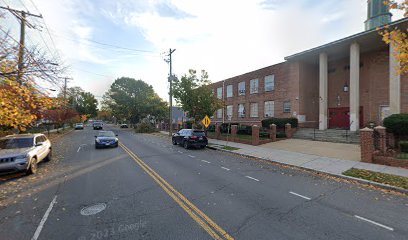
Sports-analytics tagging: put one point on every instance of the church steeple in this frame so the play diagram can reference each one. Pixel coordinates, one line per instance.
(378, 14)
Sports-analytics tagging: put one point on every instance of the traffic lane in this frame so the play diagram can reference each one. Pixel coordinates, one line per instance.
(319, 200)
(28, 197)
(382, 206)
(136, 207)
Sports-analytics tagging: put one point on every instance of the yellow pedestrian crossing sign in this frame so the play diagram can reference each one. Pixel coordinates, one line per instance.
(206, 121)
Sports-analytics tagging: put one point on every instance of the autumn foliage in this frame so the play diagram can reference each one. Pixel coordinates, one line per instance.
(20, 105)
(397, 37)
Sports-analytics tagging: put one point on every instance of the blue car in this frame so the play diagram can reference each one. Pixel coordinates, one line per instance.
(106, 139)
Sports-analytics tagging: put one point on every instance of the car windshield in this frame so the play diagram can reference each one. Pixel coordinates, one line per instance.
(16, 143)
(106, 134)
(198, 133)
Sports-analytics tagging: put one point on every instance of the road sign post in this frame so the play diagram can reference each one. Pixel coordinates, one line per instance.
(206, 122)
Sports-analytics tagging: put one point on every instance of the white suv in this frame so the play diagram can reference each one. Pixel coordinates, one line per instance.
(22, 152)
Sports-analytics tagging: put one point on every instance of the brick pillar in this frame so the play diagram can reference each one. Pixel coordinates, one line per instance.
(255, 135)
(383, 138)
(272, 132)
(217, 131)
(288, 130)
(234, 130)
(367, 144)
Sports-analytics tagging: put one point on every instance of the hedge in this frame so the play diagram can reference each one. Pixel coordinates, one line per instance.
(397, 124)
(280, 122)
(404, 146)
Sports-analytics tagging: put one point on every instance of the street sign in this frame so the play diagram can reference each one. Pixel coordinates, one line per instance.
(206, 121)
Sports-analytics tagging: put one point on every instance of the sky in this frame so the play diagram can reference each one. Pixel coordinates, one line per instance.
(102, 40)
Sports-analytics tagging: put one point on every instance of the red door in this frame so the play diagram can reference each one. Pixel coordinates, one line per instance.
(340, 118)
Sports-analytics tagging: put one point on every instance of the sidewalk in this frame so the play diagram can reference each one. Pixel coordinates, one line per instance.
(330, 165)
(314, 162)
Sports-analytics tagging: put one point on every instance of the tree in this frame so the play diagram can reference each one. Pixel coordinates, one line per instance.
(83, 102)
(195, 95)
(133, 100)
(398, 38)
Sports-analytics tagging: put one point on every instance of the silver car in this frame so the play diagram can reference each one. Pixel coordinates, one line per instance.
(22, 152)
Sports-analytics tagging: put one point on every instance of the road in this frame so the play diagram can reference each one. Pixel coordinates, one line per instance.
(149, 189)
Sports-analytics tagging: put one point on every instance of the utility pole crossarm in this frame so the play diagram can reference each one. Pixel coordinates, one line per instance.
(21, 15)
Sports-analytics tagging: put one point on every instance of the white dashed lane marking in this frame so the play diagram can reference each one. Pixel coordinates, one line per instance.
(225, 168)
(252, 178)
(191, 156)
(205, 161)
(297, 194)
(41, 225)
(375, 223)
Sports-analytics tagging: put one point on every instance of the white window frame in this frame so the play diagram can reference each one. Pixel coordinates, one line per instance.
(254, 107)
(229, 91)
(287, 110)
(269, 109)
(219, 93)
(271, 80)
(219, 113)
(254, 86)
(241, 110)
(241, 89)
(230, 111)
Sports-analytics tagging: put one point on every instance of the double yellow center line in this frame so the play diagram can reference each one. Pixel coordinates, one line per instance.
(202, 219)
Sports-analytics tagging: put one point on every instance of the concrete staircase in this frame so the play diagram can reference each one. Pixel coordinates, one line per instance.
(329, 135)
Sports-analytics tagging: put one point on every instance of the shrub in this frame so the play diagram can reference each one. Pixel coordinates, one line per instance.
(189, 124)
(224, 127)
(263, 134)
(397, 124)
(404, 146)
(280, 135)
(280, 122)
(244, 130)
(211, 128)
(145, 127)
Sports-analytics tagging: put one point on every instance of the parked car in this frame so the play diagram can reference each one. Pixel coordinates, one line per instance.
(106, 139)
(79, 126)
(190, 138)
(97, 126)
(124, 126)
(22, 152)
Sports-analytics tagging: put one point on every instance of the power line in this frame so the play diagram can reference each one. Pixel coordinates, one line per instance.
(105, 44)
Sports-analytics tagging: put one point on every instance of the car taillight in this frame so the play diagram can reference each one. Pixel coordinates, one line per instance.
(194, 137)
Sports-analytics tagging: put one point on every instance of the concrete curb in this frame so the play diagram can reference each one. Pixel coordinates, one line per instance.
(363, 181)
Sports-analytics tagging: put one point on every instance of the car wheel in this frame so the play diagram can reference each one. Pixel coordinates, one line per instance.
(96, 147)
(185, 145)
(49, 156)
(33, 167)
(174, 142)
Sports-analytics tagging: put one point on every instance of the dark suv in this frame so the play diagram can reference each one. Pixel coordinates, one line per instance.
(97, 126)
(190, 138)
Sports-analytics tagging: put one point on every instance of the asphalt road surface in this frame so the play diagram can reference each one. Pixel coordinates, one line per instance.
(149, 189)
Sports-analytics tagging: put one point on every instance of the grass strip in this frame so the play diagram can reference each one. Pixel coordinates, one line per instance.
(384, 178)
(230, 148)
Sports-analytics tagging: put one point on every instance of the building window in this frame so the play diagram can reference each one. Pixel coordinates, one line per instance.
(229, 112)
(241, 88)
(241, 110)
(254, 110)
(254, 86)
(229, 91)
(269, 109)
(219, 113)
(269, 83)
(286, 107)
(219, 93)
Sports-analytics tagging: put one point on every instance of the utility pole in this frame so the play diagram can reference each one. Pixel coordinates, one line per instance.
(21, 15)
(171, 51)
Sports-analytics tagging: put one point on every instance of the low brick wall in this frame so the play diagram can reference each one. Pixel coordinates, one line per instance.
(390, 161)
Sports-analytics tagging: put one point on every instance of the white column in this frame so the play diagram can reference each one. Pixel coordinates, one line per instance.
(395, 83)
(323, 77)
(354, 86)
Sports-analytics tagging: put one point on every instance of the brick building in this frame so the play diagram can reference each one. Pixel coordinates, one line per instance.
(344, 84)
